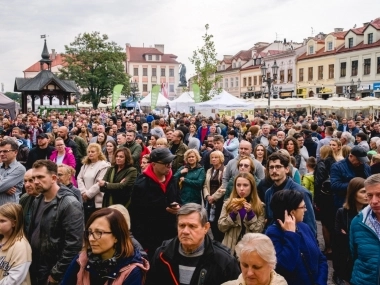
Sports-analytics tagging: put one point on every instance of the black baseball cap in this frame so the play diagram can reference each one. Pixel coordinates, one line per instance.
(43, 136)
(161, 155)
(360, 154)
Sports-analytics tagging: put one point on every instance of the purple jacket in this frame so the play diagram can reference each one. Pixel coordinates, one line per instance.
(68, 159)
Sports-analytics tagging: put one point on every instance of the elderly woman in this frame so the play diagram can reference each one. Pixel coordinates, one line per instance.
(117, 183)
(232, 143)
(94, 167)
(299, 258)
(257, 259)
(191, 177)
(64, 174)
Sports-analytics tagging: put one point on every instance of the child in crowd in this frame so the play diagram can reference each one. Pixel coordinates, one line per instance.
(308, 178)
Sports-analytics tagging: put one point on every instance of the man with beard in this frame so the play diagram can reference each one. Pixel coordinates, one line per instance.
(42, 151)
(56, 229)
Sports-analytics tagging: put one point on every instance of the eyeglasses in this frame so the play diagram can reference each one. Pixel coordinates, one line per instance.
(302, 207)
(169, 164)
(95, 234)
(6, 150)
(244, 165)
(277, 167)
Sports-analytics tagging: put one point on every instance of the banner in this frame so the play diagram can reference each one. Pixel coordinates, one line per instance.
(197, 93)
(154, 97)
(164, 89)
(116, 94)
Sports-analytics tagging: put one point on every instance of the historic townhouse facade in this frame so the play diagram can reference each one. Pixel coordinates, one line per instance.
(358, 62)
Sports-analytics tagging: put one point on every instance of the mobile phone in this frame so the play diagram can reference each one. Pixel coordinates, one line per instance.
(173, 205)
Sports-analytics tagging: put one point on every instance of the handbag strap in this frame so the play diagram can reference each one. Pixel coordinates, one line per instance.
(308, 269)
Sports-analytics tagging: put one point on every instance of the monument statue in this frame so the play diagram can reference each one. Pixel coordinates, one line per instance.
(182, 76)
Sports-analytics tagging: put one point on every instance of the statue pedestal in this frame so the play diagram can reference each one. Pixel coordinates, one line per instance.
(178, 91)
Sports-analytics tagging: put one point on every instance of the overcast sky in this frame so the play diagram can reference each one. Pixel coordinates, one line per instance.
(179, 25)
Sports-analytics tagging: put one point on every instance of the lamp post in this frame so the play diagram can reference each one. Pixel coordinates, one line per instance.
(134, 86)
(269, 80)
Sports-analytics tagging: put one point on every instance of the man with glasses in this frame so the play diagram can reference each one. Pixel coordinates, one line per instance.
(56, 228)
(11, 172)
(278, 167)
(155, 201)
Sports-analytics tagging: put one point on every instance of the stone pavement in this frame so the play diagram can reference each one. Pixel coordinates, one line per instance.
(322, 247)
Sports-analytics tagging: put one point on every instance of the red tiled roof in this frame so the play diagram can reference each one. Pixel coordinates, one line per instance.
(251, 67)
(339, 35)
(274, 52)
(243, 55)
(375, 23)
(136, 54)
(36, 66)
(320, 52)
(360, 46)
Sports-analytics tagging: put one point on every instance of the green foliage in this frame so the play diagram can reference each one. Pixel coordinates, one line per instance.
(96, 65)
(205, 62)
(14, 96)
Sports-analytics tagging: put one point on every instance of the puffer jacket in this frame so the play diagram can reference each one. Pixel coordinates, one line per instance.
(191, 187)
(232, 229)
(275, 279)
(364, 246)
(308, 182)
(60, 235)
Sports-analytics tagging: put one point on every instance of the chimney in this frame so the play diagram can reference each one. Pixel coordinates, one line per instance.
(160, 47)
(336, 30)
(53, 54)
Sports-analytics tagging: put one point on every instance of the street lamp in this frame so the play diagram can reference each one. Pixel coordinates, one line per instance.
(269, 80)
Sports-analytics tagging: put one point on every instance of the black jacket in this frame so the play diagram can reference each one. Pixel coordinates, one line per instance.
(215, 267)
(60, 238)
(311, 146)
(37, 153)
(151, 224)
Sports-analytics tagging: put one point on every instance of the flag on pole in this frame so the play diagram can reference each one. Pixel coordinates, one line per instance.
(164, 89)
(154, 97)
(116, 94)
(197, 93)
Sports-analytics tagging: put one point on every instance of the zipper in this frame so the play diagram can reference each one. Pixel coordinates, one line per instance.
(202, 276)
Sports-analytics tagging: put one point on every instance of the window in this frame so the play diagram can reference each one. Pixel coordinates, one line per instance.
(258, 61)
(378, 65)
(331, 71)
(135, 71)
(367, 66)
(244, 82)
(157, 57)
(162, 71)
(370, 38)
(329, 46)
(310, 74)
(311, 49)
(226, 83)
(350, 42)
(145, 87)
(249, 81)
(234, 65)
(232, 82)
(290, 75)
(154, 71)
(320, 72)
(237, 81)
(260, 79)
(354, 68)
(171, 72)
(223, 67)
(300, 72)
(342, 69)
(171, 88)
(282, 76)
(218, 67)
(145, 71)
(254, 80)
(149, 57)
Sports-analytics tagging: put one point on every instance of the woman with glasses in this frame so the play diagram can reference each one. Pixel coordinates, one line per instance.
(243, 217)
(191, 177)
(245, 164)
(117, 183)
(94, 167)
(299, 259)
(64, 155)
(108, 256)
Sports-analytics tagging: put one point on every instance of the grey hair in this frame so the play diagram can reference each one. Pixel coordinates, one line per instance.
(378, 143)
(375, 139)
(190, 208)
(347, 136)
(372, 180)
(260, 243)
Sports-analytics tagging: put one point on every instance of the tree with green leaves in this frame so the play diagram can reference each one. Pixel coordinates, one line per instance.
(96, 65)
(205, 62)
(14, 96)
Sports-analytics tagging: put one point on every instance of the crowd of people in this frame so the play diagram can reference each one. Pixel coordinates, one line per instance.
(102, 197)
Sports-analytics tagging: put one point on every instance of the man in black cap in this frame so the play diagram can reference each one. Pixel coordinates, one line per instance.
(42, 151)
(355, 165)
(155, 202)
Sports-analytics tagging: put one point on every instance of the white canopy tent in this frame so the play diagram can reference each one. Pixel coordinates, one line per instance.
(183, 103)
(226, 101)
(161, 102)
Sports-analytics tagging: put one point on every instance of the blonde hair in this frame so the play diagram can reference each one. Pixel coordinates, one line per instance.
(162, 141)
(14, 213)
(189, 151)
(219, 154)
(124, 212)
(67, 168)
(98, 148)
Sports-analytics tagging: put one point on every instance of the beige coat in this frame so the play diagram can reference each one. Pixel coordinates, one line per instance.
(206, 186)
(232, 229)
(275, 279)
(88, 177)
